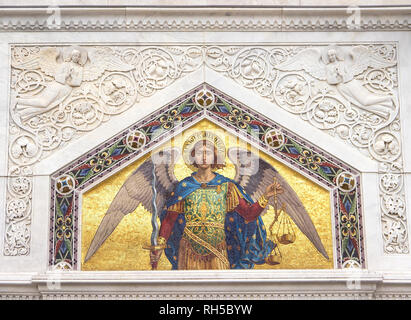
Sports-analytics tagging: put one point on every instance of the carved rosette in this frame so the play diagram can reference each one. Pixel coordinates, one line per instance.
(392, 201)
(111, 80)
(24, 150)
(18, 212)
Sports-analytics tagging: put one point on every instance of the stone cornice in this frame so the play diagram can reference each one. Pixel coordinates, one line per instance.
(205, 19)
(311, 284)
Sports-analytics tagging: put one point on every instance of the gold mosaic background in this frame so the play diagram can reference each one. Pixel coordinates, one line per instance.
(123, 250)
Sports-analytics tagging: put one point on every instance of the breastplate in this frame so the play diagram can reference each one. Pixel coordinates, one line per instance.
(205, 211)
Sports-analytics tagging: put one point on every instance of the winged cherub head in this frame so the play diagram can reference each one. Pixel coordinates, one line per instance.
(332, 55)
(75, 55)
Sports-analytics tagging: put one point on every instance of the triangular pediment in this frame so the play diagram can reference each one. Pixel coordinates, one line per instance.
(205, 102)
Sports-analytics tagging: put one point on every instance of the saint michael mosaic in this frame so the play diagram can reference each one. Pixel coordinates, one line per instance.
(206, 183)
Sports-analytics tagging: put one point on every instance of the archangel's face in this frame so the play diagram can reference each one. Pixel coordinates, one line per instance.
(204, 156)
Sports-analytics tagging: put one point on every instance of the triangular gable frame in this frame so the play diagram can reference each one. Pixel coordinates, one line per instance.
(68, 183)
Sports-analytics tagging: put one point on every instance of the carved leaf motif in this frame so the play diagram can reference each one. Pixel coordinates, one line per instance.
(232, 51)
(175, 50)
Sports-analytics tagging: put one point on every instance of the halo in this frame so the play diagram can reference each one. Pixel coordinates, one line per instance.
(83, 54)
(199, 136)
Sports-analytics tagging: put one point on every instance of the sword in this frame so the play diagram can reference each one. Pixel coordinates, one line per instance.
(154, 216)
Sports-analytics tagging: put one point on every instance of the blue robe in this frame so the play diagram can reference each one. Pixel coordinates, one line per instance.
(248, 246)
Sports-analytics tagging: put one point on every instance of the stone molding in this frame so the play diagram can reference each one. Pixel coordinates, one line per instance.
(252, 285)
(162, 19)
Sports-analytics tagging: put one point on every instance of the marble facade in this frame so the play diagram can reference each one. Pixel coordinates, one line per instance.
(340, 83)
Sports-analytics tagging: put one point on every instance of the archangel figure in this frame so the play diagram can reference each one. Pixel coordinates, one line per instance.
(340, 69)
(208, 221)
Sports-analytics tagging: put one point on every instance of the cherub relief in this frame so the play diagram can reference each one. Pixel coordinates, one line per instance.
(69, 67)
(339, 68)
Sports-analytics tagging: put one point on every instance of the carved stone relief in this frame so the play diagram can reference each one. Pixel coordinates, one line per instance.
(157, 19)
(61, 93)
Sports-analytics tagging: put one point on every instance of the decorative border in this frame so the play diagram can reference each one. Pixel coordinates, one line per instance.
(217, 296)
(205, 102)
(159, 19)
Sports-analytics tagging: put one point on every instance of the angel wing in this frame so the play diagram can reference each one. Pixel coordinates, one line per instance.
(102, 59)
(254, 175)
(138, 189)
(308, 60)
(362, 58)
(46, 60)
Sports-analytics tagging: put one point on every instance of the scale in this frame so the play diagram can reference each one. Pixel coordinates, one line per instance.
(281, 231)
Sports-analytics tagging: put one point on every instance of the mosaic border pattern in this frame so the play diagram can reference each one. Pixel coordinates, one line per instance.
(205, 102)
